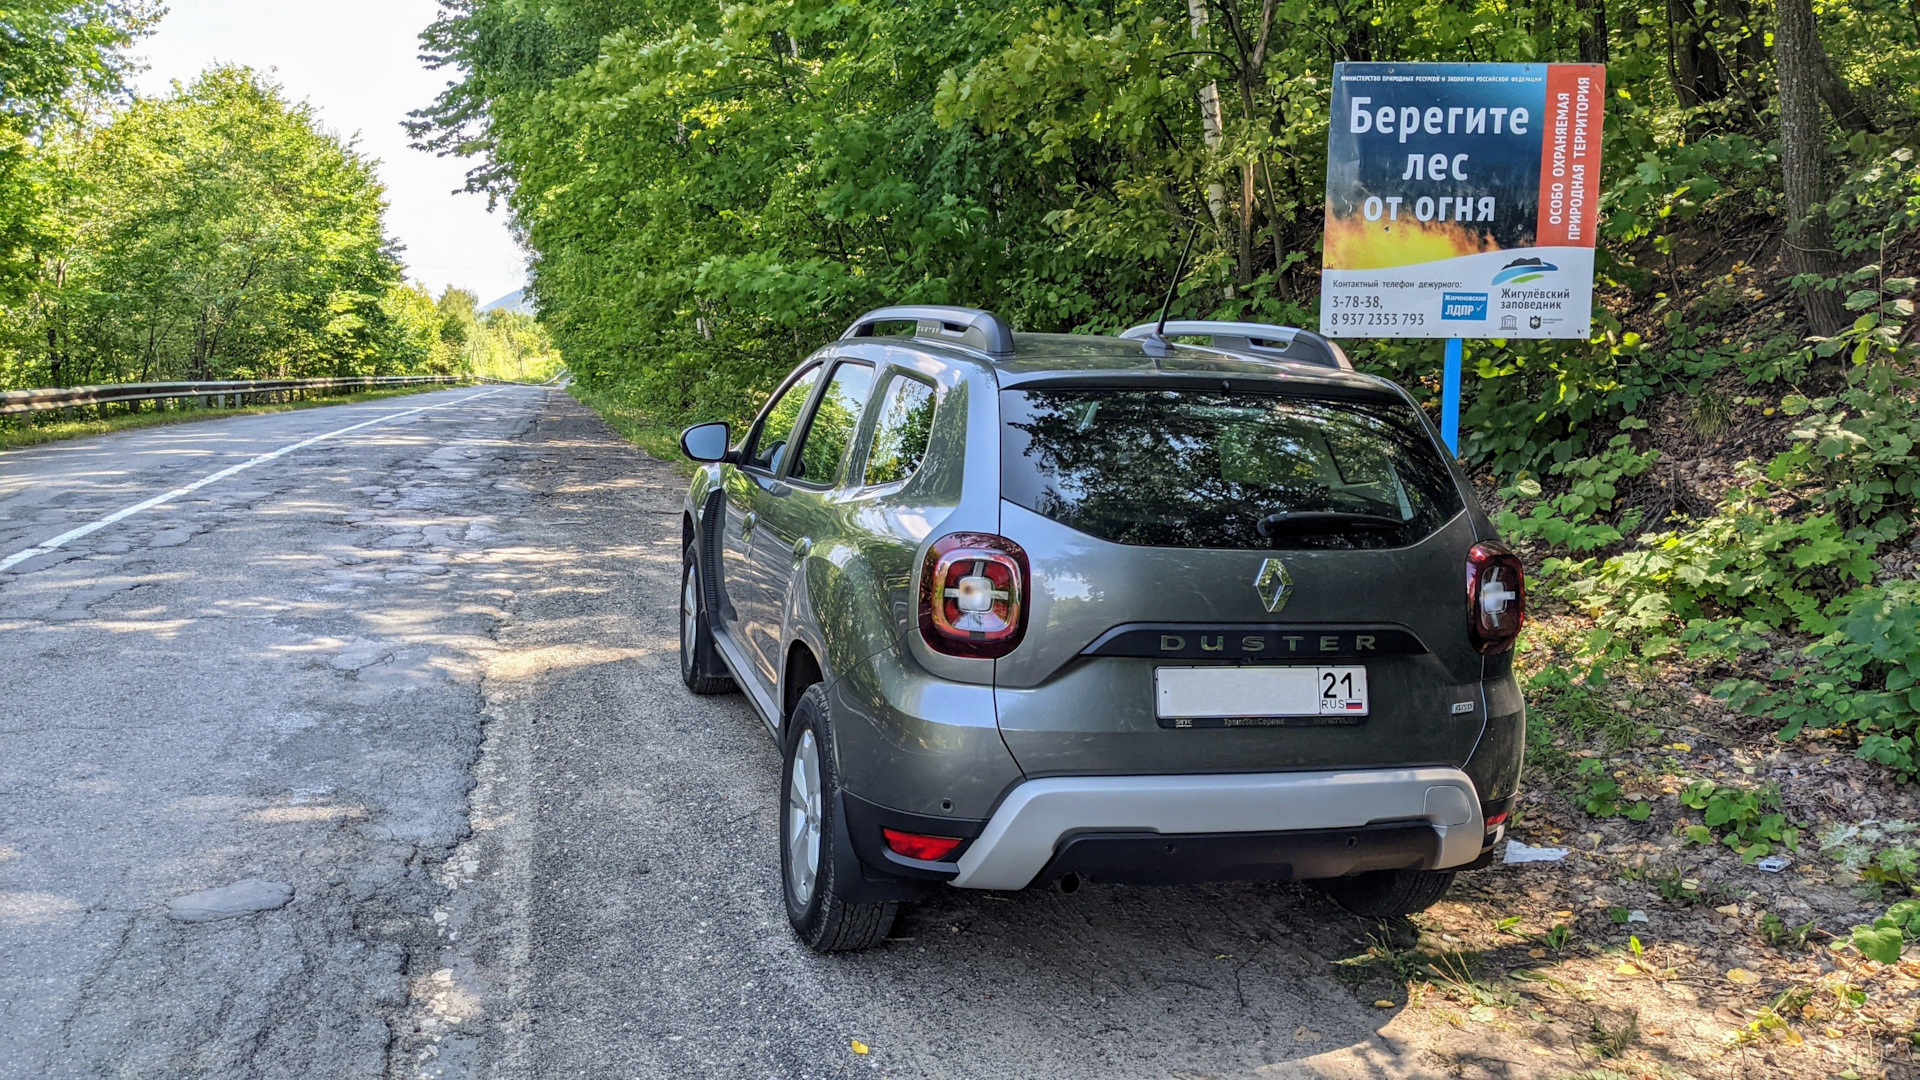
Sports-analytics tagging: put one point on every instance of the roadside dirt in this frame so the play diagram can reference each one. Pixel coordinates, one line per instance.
(1645, 953)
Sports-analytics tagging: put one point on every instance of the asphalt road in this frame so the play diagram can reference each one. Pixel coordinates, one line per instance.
(424, 672)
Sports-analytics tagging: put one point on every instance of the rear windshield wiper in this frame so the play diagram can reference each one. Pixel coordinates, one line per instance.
(1299, 521)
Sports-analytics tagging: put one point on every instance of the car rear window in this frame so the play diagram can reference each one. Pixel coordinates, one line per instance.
(1224, 469)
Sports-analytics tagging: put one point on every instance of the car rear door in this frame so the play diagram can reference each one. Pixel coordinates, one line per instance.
(794, 507)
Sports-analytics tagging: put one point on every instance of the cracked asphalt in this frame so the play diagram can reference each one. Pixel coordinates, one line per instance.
(424, 673)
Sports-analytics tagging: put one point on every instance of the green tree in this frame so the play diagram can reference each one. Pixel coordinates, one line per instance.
(459, 323)
(711, 189)
(56, 58)
(216, 232)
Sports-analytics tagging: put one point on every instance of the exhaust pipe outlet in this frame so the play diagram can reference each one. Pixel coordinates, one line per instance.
(1070, 884)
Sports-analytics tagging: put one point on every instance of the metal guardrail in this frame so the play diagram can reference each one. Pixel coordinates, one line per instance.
(211, 394)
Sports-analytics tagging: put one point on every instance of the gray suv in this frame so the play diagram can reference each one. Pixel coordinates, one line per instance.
(1194, 603)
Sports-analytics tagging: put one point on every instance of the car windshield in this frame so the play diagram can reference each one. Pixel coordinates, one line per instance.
(1223, 469)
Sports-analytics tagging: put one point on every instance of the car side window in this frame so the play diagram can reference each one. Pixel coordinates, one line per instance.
(830, 430)
(901, 431)
(776, 431)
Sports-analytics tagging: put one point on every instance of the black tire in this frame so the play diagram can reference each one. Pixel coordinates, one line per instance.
(700, 665)
(1387, 894)
(824, 921)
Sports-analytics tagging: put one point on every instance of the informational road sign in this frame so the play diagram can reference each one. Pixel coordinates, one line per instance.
(1462, 200)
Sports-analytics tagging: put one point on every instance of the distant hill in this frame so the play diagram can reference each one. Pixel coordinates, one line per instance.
(513, 301)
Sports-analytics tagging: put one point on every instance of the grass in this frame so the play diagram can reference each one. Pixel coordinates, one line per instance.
(1613, 1040)
(659, 437)
(15, 434)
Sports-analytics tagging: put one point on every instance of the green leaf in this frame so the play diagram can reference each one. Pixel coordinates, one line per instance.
(1879, 943)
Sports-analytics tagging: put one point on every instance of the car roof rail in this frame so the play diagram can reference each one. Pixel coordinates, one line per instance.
(980, 330)
(1263, 341)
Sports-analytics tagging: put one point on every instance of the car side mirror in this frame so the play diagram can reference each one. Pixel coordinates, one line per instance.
(706, 442)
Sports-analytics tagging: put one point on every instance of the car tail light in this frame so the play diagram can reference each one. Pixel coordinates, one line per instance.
(916, 846)
(973, 595)
(1496, 597)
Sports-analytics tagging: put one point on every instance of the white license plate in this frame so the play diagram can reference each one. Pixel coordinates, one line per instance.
(1218, 693)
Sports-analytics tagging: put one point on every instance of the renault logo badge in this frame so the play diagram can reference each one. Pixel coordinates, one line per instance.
(1274, 585)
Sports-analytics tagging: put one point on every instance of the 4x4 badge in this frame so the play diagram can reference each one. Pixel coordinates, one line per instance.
(1273, 584)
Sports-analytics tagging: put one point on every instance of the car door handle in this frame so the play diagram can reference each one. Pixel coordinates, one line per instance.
(801, 547)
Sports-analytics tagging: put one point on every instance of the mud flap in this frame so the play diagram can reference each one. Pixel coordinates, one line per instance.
(857, 883)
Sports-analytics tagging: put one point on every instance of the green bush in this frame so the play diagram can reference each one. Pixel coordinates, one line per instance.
(1887, 936)
(1572, 519)
(1599, 794)
(1748, 820)
(1862, 678)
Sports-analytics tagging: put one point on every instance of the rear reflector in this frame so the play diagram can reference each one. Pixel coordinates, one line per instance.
(916, 846)
(1497, 819)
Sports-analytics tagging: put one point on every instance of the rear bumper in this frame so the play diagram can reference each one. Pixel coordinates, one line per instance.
(1275, 824)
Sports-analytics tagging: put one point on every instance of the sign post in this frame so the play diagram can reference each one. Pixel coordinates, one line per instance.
(1462, 201)
(1450, 396)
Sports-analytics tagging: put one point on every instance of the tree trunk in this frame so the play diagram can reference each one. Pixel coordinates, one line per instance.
(56, 364)
(1803, 140)
(1697, 74)
(1211, 129)
(199, 367)
(1750, 51)
(1593, 31)
(1244, 271)
(1840, 101)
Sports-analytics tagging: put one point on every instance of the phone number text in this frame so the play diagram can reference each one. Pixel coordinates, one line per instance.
(1376, 318)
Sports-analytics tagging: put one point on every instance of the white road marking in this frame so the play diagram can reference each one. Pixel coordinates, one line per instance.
(50, 546)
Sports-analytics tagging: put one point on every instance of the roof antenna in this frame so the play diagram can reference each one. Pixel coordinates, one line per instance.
(1159, 338)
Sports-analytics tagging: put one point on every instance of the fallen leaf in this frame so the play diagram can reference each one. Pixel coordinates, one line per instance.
(860, 1047)
(1730, 910)
(1563, 914)
(1627, 969)
(1383, 1003)
(1537, 954)
(1656, 1031)
(1742, 976)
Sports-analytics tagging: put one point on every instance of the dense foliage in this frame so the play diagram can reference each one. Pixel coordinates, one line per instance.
(457, 337)
(57, 58)
(711, 189)
(218, 231)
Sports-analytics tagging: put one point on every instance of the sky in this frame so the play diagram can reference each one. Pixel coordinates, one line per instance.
(356, 63)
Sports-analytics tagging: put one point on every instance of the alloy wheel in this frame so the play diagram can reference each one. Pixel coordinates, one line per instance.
(689, 617)
(803, 820)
